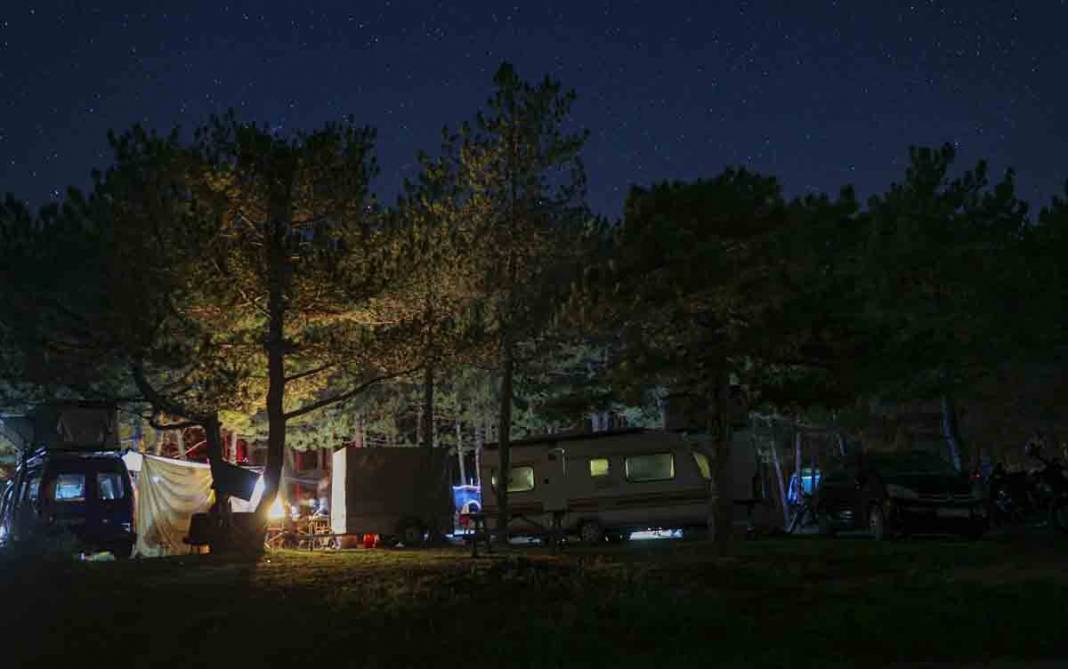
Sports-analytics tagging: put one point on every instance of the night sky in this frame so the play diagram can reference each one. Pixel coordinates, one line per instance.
(817, 92)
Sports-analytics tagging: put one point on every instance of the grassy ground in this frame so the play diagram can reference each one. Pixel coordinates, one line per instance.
(785, 602)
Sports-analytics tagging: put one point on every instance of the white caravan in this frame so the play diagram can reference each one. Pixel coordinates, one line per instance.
(606, 483)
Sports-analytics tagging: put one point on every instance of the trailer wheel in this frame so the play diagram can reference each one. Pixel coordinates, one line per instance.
(411, 533)
(591, 533)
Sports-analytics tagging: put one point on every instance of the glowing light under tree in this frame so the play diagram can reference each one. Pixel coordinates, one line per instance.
(277, 510)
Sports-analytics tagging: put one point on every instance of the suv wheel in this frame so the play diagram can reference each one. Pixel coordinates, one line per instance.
(877, 523)
(824, 522)
(1059, 513)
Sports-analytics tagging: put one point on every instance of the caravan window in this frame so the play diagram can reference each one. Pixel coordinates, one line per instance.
(702, 464)
(520, 480)
(109, 486)
(652, 467)
(70, 488)
(598, 467)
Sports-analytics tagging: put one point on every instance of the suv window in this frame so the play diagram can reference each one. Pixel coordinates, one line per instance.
(70, 488)
(652, 467)
(109, 486)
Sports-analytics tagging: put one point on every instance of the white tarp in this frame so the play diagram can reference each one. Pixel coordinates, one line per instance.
(169, 492)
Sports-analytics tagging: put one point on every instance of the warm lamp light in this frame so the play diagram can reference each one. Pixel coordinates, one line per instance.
(277, 510)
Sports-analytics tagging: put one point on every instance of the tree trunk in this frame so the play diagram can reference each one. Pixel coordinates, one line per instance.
(181, 445)
(214, 438)
(951, 432)
(478, 456)
(503, 439)
(275, 346)
(720, 502)
(797, 455)
(460, 454)
(427, 427)
(781, 485)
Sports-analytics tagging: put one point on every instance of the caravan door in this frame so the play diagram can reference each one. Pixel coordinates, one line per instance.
(553, 480)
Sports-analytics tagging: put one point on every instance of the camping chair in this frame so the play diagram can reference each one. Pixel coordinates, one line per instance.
(199, 534)
(477, 531)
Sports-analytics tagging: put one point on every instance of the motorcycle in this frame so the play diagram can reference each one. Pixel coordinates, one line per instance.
(1050, 486)
(1016, 498)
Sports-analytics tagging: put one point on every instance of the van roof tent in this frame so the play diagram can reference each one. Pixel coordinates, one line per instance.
(75, 425)
(16, 432)
(570, 436)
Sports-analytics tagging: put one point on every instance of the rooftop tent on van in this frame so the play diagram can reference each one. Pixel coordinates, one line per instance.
(16, 432)
(76, 425)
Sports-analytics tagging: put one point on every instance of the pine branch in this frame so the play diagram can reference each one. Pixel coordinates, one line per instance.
(348, 394)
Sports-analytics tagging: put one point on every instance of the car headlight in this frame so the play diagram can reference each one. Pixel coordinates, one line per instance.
(901, 492)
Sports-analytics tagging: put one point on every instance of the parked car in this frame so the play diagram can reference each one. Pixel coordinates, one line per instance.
(85, 493)
(902, 493)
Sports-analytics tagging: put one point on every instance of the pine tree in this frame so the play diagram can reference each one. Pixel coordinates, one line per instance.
(524, 186)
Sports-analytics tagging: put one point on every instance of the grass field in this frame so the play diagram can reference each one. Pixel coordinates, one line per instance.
(782, 602)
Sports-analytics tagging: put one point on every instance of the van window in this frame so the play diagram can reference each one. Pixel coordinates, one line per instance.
(520, 480)
(652, 467)
(702, 465)
(109, 486)
(70, 488)
(598, 467)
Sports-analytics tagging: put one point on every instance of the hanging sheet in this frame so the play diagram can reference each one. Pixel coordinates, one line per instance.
(169, 492)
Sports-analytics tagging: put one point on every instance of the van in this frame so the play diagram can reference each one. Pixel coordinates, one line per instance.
(86, 494)
(602, 484)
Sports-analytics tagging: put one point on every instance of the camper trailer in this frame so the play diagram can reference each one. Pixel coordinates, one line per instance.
(401, 494)
(607, 484)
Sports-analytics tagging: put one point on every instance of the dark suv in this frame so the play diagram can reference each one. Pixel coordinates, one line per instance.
(894, 494)
(88, 494)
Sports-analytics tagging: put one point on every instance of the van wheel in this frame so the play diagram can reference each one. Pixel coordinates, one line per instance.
(411, 533)
(877, 522)
(122, 550)
(591, 533)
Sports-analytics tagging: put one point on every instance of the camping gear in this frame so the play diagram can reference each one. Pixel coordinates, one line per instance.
(234, 481)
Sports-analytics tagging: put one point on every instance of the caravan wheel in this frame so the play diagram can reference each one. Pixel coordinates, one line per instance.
(411, 533)
(591, 533)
